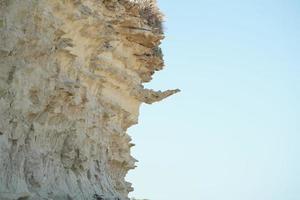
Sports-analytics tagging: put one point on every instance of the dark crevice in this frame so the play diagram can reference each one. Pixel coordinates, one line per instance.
(98, 197)
(11, 75)
(23, 198)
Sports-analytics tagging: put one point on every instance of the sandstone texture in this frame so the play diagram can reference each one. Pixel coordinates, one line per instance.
(71, 83)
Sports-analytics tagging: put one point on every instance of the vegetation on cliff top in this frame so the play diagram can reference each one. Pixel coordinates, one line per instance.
(149, 10)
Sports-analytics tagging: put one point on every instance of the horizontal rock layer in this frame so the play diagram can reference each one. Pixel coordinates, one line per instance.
(71, 84)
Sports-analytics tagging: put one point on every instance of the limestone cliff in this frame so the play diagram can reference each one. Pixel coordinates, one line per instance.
(71, 76)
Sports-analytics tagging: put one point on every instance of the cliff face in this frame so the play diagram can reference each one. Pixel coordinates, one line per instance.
(71, 76)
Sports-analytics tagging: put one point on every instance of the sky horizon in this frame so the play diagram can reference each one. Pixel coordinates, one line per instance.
(233, 131)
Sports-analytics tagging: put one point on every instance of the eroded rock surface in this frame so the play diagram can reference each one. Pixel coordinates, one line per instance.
(71, 76)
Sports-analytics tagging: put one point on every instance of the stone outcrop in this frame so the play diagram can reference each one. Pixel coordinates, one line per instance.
(71, 83)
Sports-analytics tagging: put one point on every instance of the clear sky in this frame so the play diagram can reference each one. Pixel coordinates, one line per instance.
(233, 133)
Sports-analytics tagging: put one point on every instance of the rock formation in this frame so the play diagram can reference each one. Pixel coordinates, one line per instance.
(71, 83)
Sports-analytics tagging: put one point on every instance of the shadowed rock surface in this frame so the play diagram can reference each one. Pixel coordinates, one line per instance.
(71, 76)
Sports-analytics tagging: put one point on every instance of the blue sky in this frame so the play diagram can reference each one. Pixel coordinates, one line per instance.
(233, 133)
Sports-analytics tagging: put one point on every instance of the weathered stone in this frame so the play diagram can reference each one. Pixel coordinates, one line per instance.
(71, 76)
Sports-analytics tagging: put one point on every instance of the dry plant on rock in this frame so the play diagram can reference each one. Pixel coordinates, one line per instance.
(149, 11)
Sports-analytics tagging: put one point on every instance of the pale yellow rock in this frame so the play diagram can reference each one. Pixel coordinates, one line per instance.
(71, 84)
